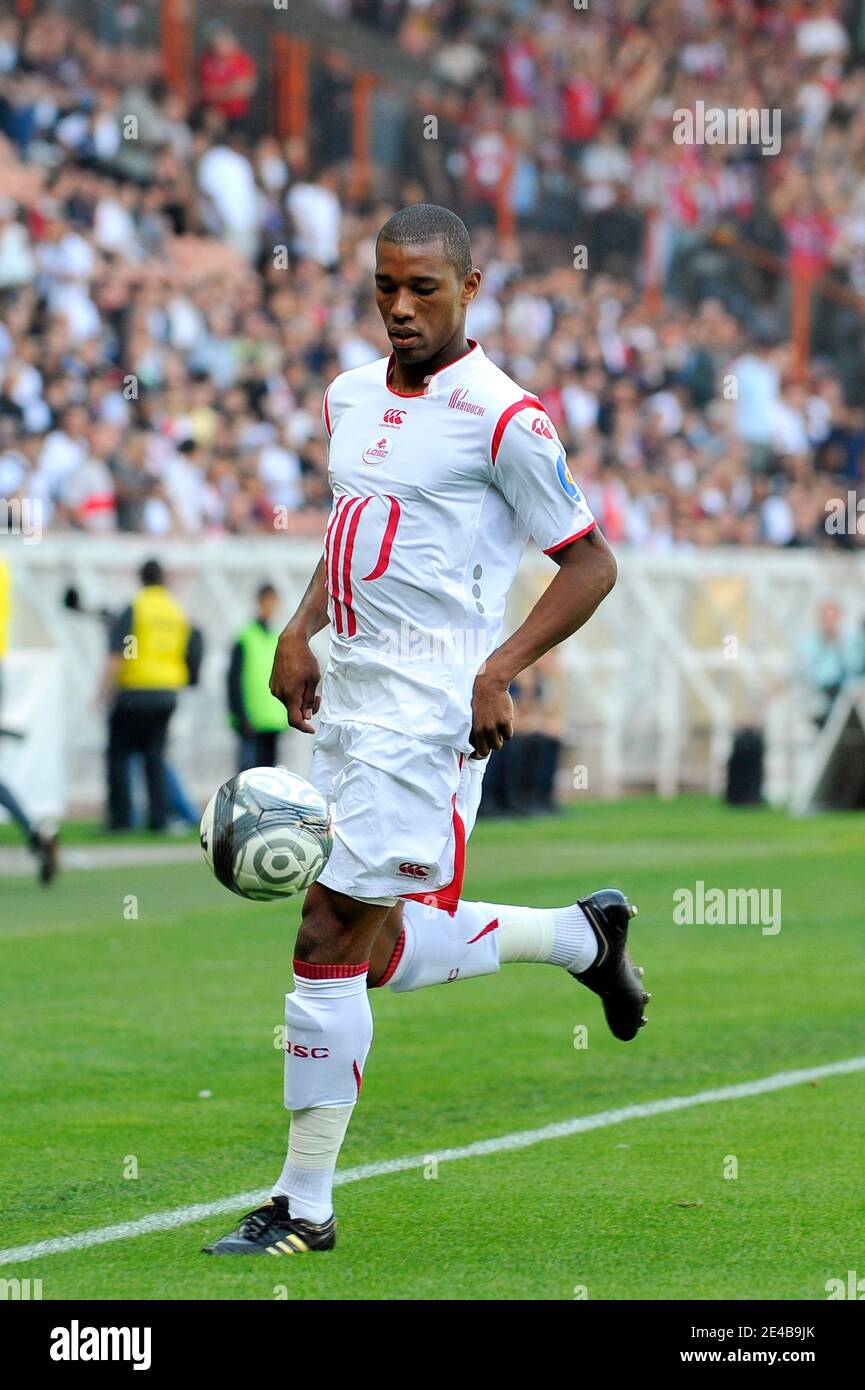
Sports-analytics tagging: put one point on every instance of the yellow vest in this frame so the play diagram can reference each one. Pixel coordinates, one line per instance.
(5, 606)
(156, 659)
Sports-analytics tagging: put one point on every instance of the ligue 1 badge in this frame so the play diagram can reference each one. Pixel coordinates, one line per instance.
(566, 479)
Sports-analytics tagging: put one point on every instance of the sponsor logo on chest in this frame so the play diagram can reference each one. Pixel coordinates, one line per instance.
(459, 401)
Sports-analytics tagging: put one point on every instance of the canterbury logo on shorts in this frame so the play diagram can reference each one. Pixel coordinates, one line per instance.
(414, 870)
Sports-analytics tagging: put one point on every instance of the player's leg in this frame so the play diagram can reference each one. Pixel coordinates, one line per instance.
(42, 840)
(328, 1034)
(118, 769)
(421, 945)
(327, 1015)
(424, 945)
(266, 749)
(10, 803)
(155, 718)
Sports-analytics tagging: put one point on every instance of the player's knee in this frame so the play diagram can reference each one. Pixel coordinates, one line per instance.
(326, 930)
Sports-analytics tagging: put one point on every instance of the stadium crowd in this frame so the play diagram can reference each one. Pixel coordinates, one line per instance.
(178, 288)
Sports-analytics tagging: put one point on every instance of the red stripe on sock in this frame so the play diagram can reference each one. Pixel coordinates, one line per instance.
(490, 926)
(393, 962)
(307, 971)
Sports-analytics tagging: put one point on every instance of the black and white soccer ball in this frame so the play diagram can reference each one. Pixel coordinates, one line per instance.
(266, 834)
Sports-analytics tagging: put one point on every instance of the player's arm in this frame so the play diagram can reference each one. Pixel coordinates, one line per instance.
(587, 573)
(530, 469)
(296, 673)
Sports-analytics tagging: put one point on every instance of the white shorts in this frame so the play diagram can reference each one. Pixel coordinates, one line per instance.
(402, 811)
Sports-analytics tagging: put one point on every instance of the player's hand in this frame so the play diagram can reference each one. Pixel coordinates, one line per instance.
(492, 714)
(295, 678)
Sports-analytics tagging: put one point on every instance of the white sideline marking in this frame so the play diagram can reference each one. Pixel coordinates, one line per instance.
(521, 1139)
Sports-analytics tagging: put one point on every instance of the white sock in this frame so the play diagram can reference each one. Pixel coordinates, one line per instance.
(328, 1027)
(553, 935)
(314, 1141)
(435, 948)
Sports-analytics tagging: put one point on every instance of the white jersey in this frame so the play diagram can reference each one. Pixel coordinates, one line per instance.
(435, 498)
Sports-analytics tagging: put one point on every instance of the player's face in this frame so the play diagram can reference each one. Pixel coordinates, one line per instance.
(421, 299)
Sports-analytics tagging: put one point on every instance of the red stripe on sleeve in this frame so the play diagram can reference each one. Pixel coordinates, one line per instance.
(527, 403)
(560, 545)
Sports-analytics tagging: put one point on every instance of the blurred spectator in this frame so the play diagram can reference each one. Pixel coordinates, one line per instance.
(256, 716)
(174, 305)
(150, 652)
(522, 775)
(831, 657)
(227, 75)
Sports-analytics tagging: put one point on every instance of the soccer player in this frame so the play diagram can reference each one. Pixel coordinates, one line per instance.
(42, 840)
(441, 468)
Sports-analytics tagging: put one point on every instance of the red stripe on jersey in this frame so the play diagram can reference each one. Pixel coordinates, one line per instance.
(327, 423)
(346, 566)
(559, 545)
(328, 544)
(336, 544)
(383, 560)
(335, 510)
(527, 403)
(409, 395)
(448, 899)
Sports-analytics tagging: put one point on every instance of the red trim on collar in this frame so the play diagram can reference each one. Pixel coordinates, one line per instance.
(411, 395)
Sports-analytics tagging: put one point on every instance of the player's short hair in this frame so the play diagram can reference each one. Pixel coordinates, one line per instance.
(152, 572)
(264, 591)
(423, 222)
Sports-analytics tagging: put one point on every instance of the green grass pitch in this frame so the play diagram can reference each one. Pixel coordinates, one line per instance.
(112, 1025)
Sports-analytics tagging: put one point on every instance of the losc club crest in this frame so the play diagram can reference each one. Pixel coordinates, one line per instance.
(378, 450)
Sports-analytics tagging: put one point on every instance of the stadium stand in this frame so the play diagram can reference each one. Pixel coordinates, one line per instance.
(175, 301)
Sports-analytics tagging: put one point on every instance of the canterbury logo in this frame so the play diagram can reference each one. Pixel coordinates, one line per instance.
(458, 401)
(414, 870)
(298, 1050)
(540, 426)
(393, 417)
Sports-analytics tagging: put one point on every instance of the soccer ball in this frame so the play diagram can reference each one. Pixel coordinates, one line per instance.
(266, 834)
